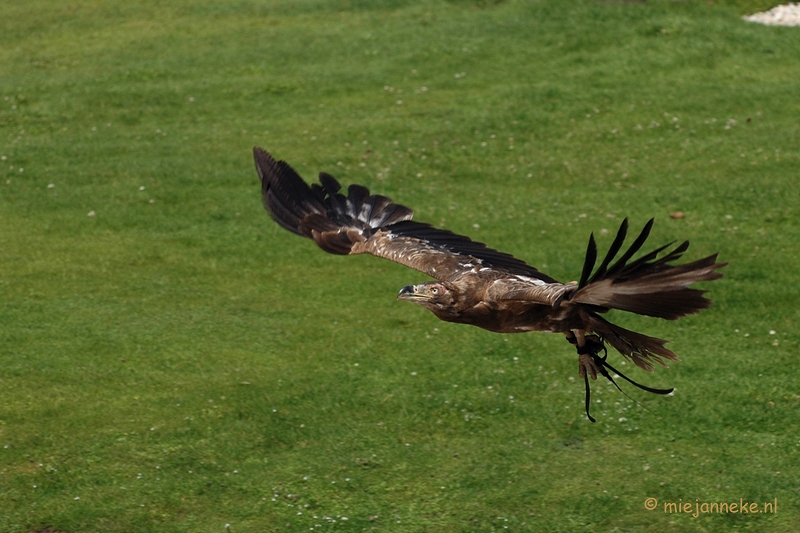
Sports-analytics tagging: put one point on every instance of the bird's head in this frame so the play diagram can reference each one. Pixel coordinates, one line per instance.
(431, 294)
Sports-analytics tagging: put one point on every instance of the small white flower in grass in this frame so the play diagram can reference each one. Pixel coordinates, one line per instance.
(90, 213)
(77, 498)
(21, 169)
(141, 188)
(152, 201)
(362, 164)
(399, 102)
(191, 98)
(772, 332)
(413, 373)
(419, 174)
(51, 185)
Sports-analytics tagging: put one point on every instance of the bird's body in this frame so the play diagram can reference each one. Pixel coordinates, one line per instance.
(482, 300)
(493, 290)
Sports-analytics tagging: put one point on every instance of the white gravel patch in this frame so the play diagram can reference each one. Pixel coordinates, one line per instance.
(784, 15)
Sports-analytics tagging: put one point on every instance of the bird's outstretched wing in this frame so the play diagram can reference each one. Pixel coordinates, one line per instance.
(359, 223)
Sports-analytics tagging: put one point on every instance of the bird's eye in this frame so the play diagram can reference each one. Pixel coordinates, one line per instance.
(435, 290)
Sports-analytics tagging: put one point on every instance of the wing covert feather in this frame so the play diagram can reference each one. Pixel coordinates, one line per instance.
(440, 253)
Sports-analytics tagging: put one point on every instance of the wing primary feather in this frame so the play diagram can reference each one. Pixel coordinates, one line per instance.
(637, 244)
(355, 199)
(612, 251)
(330, 183)
(379, 203)
(588, 263)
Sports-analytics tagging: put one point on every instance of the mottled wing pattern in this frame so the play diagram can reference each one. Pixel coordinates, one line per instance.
(524, 289)
(362, 223)
(440, 253)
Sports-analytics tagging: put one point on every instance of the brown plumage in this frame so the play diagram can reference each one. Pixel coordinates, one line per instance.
(490, 289)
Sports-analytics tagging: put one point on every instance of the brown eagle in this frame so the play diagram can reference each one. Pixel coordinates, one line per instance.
(493, 290)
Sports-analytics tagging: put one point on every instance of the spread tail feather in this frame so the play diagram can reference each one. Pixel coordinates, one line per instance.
(641, 349)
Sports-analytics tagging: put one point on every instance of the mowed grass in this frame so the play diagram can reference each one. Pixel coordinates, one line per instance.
(171, 360)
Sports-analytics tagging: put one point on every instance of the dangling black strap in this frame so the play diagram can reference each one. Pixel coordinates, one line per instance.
(593, 348)
(629, 380)
(588, 397)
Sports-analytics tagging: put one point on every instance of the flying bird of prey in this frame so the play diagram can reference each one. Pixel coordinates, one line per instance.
(493, 290)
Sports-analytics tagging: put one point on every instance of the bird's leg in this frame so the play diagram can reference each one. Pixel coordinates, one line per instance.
(589, 361)
(590, 364)
(589, 347)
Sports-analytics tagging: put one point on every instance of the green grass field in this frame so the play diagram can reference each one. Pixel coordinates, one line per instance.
(173, 361)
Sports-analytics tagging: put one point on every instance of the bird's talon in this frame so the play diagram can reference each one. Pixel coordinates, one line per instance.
(586, 365)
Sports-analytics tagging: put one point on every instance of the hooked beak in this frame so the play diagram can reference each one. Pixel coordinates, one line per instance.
(411, 293)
